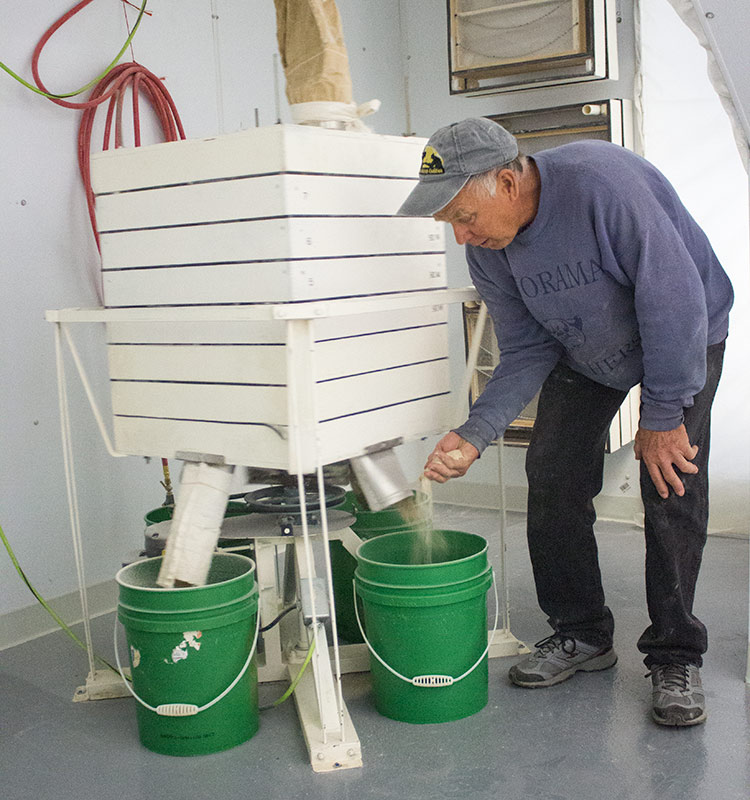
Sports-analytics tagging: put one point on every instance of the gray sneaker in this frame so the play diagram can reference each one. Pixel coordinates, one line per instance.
(677, 696)
(558, 658)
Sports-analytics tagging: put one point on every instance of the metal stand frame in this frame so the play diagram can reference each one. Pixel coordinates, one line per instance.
(326, 725)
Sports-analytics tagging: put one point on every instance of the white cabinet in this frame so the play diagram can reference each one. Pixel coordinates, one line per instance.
(505, 45)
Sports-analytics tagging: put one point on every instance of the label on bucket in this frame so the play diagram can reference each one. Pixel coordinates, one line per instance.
(180, 653)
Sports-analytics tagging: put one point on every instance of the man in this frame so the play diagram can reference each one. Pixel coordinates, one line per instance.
(597, 279)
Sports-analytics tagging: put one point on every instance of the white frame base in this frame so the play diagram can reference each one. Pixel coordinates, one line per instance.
(102, 684)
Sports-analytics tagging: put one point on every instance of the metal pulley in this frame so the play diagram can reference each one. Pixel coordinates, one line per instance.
(285, 501)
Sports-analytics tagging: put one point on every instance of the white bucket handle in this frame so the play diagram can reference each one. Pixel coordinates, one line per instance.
(185, 709)
(431, 681)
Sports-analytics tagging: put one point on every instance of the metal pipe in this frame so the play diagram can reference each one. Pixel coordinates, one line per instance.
(381, 479)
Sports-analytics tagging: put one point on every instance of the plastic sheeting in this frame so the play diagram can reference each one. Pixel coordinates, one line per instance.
(688, 13)
(316, 65)
(313, 53)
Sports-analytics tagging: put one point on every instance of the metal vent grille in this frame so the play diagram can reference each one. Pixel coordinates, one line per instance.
(498, 45)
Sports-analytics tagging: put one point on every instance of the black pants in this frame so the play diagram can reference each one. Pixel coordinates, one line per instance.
(564, 466)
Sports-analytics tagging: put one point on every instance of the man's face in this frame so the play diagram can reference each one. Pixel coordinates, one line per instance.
(482, 220)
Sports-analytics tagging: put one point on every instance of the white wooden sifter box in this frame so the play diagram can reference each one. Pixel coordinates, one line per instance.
(323, 337)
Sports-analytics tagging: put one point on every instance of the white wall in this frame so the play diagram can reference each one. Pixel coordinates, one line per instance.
(689, 137)
(49, 260)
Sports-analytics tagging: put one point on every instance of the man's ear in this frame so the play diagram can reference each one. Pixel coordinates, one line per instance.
(508, 183)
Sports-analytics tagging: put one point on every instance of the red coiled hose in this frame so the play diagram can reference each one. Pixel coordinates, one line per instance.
(112, 87)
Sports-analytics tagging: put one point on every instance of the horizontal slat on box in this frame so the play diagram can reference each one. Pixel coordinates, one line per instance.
(244, 363)
(268, 404)
(200, 401)
(256, 445)
(379, 390)
(273, 239)
(349, 436)
(214, 201)
(280, 148)
(341, 357)
(265, 331)
(251, 198)
(273, 331)
(273, 282)
(267, 363)
(252, 445)
(392, 320)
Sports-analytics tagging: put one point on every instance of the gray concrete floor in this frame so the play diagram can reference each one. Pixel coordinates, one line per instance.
(589, 738)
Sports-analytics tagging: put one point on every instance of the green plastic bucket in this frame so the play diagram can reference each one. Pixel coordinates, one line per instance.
(192, 656)
(425, 622)
(367, 525)
(235, 508)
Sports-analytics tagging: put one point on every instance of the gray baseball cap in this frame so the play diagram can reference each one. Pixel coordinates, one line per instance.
(451, 156)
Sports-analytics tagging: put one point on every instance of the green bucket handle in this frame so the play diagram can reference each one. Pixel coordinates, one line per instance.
(431, 681)
(186, 709)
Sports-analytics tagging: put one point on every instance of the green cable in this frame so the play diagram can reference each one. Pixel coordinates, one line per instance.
(91, 83)
(46, 607)
(293, 684)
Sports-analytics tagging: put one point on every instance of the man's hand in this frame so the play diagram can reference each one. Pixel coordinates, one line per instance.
(451, 458)
(661, 452)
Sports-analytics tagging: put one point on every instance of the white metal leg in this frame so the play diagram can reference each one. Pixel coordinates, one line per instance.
(326, 724)
(331, 726)
(102, 683)
(505, 643)
(327, 753)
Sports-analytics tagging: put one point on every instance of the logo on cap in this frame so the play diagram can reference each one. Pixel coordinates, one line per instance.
(432, 163)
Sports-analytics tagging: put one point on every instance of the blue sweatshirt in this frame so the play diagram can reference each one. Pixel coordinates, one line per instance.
(613, 277)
